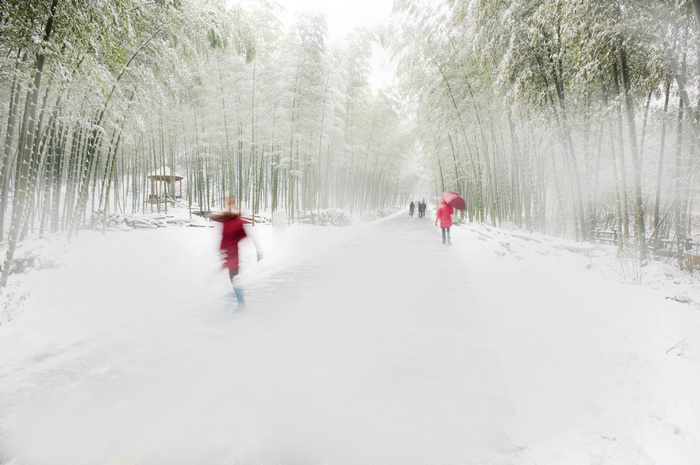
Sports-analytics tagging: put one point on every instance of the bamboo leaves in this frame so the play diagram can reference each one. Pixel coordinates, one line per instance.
(538, 105)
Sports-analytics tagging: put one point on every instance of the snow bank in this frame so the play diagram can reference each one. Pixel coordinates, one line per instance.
(600, 368)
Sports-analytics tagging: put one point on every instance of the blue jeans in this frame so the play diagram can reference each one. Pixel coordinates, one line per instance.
(443, 234)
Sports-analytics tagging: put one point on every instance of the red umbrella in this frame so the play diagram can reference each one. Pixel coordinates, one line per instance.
(454, 200)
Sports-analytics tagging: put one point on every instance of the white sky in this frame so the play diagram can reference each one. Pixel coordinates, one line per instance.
(346, 15)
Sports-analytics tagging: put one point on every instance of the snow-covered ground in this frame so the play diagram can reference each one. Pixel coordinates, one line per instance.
(372, 344)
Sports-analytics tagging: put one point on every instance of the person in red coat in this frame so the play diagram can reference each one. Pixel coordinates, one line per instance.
(233, 232)
(444, 215)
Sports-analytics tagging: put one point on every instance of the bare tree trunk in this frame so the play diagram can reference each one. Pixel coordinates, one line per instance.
(677, 208)
(20, 199)
(517, 181)
(659, 171)
(7, 159)
(634, 152)
(616, 183)
(621, 159)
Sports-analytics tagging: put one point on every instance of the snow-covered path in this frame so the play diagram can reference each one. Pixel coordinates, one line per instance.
(367, 349)
(372, 344)
(386, 356)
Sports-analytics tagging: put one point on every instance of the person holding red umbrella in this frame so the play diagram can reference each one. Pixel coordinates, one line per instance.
(444, 215)
(445, 211)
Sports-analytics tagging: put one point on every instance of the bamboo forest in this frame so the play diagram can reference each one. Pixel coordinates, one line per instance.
(572, 118)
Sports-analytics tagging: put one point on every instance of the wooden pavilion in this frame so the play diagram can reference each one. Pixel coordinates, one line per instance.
(163, 185)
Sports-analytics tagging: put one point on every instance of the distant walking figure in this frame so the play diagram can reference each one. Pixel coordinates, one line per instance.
(421, 209)
(444, 215)
(232, 233)
(411, 208)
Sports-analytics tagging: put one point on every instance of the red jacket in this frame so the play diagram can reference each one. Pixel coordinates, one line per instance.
(444, 214)
(233, 232)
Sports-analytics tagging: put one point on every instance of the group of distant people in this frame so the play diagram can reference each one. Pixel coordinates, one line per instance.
(421, 208)
(443, 215)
